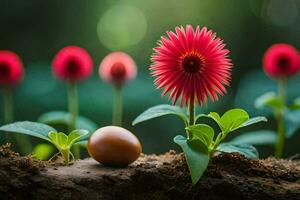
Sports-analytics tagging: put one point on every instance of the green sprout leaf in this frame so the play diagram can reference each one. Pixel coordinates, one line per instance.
(161, 110)
(43, 151)
(234, 119)
(64, 142)
(202, 132)
(269, 99)
(261, 137)
(77, 136)
(29, 128)
(196, 154)
(64, 118)
(245, 149)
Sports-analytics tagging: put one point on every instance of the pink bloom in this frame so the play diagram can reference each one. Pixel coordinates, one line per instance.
(72, 63)
(11, 68)
(281, 60)
(191, 64)
(117, 68)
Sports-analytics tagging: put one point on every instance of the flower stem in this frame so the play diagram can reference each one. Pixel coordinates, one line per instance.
(22, 142)
(73, 110)
(191, 116)
(117, 106)
(280, 119)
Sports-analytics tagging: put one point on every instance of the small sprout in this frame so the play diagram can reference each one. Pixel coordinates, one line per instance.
(60, 140)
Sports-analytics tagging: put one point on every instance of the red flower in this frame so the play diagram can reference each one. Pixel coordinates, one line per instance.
(11, 68)
(281, 60)
(117, 68)
(72, 63)
(191, 64)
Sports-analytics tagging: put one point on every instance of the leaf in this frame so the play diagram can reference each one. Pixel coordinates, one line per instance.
(253, 120)
(269, 99)
(62, 117)
(233, 119)
(216, 117)
(292, 121)
(75, 135)
(196, 155)
(202, 132)
(29, 128)
(43, 151)
(261, 137)
(161, 110)
(59, 139)
(245, 149)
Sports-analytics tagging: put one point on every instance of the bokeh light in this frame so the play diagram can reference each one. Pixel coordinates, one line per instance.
(121, 26)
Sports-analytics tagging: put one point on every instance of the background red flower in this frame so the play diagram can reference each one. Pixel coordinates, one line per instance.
(72, 63)
(281, 60)
(11, 68)
(117, 68)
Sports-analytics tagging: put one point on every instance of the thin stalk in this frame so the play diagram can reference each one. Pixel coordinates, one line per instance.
(191, 116)
(117, 106)
(22, 142)
(280, 119)
(73, 110)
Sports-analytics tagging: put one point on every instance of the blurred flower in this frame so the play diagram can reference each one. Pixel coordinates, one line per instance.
(72, 63)
(281, 60)
(11, 68)
(117, 68)
(191, 64)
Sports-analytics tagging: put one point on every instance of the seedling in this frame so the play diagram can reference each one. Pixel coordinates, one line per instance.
(202, 141)
(193, 65)
(60, 140)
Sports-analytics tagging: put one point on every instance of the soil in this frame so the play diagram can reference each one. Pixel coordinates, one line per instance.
(229, 176)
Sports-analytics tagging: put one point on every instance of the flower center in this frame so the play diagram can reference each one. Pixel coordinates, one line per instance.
(4, 70)
(72, 66)
(118, 72)
(192, 64)
(283, 62)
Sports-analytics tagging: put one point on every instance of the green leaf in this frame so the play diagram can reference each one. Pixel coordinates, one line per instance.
(292, 120)
(59, 139)
(269, 99)
(161, 110)
(245, 149)
(216, 117)
(253, 120)
(196, 155)
(76, 135)
(62, 117)
(43, 151)
(29, 128)
(233, 119)
(202, 132)
(261, 137)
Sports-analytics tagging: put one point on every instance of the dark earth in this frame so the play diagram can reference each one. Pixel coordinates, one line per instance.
(229, 176)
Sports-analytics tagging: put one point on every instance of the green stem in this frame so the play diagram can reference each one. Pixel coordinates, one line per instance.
(280, 119)
(117, 106)
(22, 142)
(73, 110)
(191, 116)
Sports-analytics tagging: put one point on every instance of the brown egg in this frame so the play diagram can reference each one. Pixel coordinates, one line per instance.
(114, 146)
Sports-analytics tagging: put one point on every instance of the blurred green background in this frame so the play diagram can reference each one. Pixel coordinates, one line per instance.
(36, 30)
